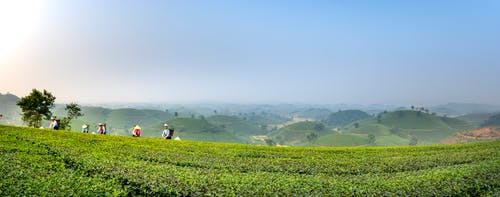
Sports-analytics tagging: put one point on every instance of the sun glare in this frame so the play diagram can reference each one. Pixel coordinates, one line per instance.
(19, 19)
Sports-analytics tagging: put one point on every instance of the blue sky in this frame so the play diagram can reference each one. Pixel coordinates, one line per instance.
(391, 52)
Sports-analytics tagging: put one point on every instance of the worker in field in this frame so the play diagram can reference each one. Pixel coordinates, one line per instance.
(166, 132)
(101, 129)
(85, 128)
(136, 131)
(54, 124)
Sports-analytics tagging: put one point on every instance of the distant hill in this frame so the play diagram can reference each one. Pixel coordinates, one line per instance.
(202, 130)
(492, 121)
(400, 127)
(313, 113)
(458, 109)
(342, 118)
(264, 118)
(236, 125)
(9, 109)
(475, 120)
(300, 133)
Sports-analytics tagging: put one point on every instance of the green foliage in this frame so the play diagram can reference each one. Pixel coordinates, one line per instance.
(73, 111)
(371, 139)
(426, 127)
(36, 106)
(319, 126)
(297, 133)
(342, 118)
(312, 136)
(413, 141)
(237, 125)
(475, 120)
(58, 163)
(492, 121)
(269, 142)
(342, 140)
(313, 113)
(202, 130)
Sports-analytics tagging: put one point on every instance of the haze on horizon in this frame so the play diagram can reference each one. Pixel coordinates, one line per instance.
(365, 52)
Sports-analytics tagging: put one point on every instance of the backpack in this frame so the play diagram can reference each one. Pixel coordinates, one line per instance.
(171, 132)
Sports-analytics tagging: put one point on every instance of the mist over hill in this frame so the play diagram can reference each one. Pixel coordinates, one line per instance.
(275, 124)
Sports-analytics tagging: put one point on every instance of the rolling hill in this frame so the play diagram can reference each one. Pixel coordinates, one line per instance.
(202, 130)
(475, 120)
(313, 113)
(9, 110)
(38, 162)
(343, 118)
(400, 126)
(459, 109)
(300, 133)
(493, 120)
(237, 126)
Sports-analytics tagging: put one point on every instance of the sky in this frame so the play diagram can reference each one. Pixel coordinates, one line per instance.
(252, 51)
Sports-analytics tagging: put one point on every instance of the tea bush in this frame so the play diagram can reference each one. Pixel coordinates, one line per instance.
(63, 163)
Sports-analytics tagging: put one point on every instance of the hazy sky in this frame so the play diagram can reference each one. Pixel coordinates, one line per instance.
(392, 52)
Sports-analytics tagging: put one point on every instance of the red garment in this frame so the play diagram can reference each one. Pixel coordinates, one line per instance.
(137, 132)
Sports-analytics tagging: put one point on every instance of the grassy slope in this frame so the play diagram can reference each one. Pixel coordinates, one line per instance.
(395, 128)
(475, 119)
(236, 125)
(342, 118)
(44, 162)
(296, 134)
(201, 130)
(341, 140)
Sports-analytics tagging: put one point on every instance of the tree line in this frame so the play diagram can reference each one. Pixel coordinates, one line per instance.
(37, 106)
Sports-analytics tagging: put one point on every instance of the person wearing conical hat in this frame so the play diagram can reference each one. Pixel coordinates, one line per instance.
(102, 128)
(166, 132)
(136, 131)
(85, 128)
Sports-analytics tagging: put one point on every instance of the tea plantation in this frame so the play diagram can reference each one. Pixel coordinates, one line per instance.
(64, 163)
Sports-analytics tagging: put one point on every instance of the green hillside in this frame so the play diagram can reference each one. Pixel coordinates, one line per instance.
(236, 125)
(341, 140)
(398, 127)
(313, 113)
(297, 133)
(475, 120)
(342, 118)
(492, 121)
(9, 110)
(36, 162)
(201, 130)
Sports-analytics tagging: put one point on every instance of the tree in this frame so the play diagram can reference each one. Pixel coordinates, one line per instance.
(371, 139)
(270, 142)
(312, 136)
(356, 125)
(319, 126)
(74, 111)
(36, 106)
(413, 141)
